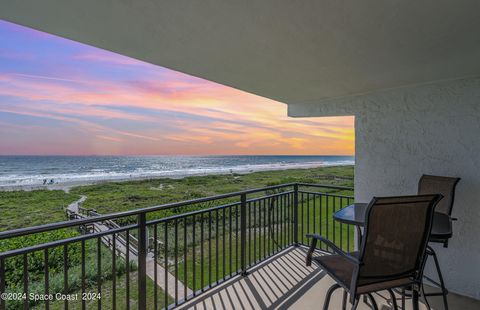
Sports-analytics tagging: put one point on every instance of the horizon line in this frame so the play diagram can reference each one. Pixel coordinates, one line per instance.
(126, 155)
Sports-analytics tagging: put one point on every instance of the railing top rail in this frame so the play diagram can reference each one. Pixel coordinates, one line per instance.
(326, 194)
(212, 209)
(51, 244)
(326, 186)
(72, 223)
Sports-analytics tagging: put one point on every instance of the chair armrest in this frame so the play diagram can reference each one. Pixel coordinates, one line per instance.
(329, 243)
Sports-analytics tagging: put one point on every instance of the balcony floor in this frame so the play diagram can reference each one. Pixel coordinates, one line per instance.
(284, 282)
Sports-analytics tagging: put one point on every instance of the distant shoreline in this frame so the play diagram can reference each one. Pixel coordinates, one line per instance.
(66, 186)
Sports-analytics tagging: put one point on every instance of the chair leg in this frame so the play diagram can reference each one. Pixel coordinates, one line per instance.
(440, 277)
(394, 299)
(415, 304)
(313, 245)
(372, 300)
(344, 301)
(355, 303)
(329, 295)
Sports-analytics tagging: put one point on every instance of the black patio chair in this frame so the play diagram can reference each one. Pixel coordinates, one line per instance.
(431, 184)
(391, 254)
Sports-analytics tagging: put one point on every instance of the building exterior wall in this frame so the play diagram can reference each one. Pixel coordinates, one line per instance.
(406, 132)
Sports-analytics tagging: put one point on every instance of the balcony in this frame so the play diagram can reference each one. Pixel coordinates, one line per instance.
(237, 250)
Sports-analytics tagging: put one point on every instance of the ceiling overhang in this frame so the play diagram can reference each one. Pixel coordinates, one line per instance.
(292, 51)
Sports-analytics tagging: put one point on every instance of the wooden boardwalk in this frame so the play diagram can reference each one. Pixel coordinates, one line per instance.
(74, 211)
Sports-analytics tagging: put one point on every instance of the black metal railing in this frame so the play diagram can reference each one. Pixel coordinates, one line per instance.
(154, 260)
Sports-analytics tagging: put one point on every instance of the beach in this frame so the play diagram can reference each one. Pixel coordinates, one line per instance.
(64, 172)
(22, 208)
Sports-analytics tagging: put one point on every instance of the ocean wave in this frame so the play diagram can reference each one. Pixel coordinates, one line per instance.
(153, 170)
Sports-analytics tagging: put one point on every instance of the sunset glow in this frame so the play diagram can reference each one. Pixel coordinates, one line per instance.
(62, 97)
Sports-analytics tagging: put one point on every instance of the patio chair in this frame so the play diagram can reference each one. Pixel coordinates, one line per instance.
(391, 254)
(431, 184)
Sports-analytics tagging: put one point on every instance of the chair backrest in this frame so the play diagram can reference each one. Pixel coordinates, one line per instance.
(395, 237)
(432, 184)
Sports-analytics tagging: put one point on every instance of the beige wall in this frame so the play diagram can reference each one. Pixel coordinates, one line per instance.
(403, 133)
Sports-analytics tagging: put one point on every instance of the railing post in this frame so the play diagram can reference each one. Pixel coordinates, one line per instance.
(142, 261)
(295, 214)
(243, 234)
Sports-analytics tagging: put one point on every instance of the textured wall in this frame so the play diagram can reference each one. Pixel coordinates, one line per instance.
(432, 129)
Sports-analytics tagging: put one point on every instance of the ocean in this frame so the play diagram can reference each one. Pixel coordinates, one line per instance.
(18, 171)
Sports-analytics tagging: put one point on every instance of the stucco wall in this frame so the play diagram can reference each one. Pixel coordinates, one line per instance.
(403, 133)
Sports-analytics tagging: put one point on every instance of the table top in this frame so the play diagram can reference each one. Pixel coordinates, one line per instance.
(355, 214)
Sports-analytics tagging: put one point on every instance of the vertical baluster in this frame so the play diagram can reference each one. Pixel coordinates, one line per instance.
(223, 242)
(47, 277)
(277, 227)
(142, 260)
(236, 239)
(284, 223)
(230, 240)
(114, 271)
(348, 229)
(243, 231)
(217, 236)
(99, 272)
(127, 274)
(303, 217)
(341, 227)
(202, 266)
(84, 304)
(308, 213)
(65, 275)
(194, 260)
(314, 213)
(334, 223)
(294, 220)
(264, 227)
(268, 226)
(320, 211)
(254, 231)
(185, 251)
(175, 253)
(165, 264)
(288, 218)
(209, 248)
(155, 267)
(327, 204)
(249, 223)
(25, 280)
(279, 222)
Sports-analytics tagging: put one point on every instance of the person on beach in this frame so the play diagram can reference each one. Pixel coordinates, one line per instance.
(44, 181)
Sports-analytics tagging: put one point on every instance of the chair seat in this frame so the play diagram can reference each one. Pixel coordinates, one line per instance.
(341, 269)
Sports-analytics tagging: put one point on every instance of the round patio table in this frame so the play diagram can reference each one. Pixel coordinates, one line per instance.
(354, 214)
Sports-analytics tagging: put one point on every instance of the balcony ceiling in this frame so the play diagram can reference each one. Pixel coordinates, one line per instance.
(291, 51)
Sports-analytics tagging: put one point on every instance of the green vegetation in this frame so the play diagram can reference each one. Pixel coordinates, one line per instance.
(121, 196)
(20, 209)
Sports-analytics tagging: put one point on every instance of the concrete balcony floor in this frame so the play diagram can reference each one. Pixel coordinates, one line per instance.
(284, 282)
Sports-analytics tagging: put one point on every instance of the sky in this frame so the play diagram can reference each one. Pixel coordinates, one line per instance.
(62, 97)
